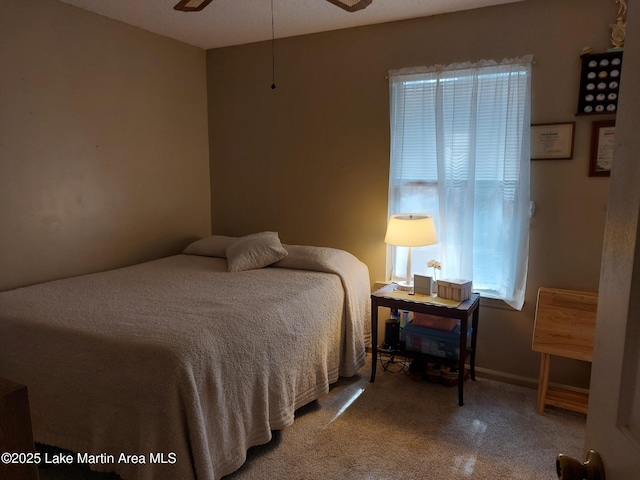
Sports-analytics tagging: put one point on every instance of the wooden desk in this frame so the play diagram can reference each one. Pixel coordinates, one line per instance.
(564, 326)
(465, 311)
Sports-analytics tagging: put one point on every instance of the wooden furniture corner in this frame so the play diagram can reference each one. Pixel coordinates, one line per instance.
(16, 434)
(564, 326)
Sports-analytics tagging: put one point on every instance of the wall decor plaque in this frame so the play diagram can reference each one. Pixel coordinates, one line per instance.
(603, 135)
(552, 141)
(599, 83)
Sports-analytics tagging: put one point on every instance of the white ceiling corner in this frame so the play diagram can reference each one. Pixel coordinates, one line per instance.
(234, 22)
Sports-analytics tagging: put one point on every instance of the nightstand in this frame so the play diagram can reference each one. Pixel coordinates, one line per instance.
(467, 312)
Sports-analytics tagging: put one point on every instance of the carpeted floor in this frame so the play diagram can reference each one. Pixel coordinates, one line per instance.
(397, 428)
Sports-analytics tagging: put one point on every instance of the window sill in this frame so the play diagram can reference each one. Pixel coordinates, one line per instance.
(495, 303)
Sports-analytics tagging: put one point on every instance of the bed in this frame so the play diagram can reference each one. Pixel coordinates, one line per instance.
(175, 367)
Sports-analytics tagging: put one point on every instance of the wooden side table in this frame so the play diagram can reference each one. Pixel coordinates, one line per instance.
(564, 325)
(465, 312)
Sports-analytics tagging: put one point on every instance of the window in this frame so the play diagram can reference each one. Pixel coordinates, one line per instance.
(460, 152)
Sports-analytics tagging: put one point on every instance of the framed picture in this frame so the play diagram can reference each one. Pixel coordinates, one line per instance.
(603, 136)
(599, 83)
(552, 141)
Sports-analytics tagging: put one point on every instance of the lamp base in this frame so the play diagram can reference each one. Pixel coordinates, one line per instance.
(404, 286)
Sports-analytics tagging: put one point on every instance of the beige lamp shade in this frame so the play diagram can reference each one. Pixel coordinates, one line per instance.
(411, 230)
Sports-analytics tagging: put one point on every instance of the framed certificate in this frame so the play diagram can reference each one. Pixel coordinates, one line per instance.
(552, 141)
(603, 136)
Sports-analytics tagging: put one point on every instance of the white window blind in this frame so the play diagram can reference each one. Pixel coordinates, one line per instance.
(460, 152)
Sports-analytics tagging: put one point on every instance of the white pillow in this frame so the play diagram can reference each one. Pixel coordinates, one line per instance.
(255, 251)
(213, 246)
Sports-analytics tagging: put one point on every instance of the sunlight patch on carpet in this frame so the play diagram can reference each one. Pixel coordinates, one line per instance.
(465, 464)
(346, 405)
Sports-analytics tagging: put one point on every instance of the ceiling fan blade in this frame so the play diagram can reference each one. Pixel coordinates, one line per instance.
(191, 5)
(351, 5)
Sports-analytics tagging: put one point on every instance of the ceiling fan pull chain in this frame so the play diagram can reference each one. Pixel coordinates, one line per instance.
(273, 51)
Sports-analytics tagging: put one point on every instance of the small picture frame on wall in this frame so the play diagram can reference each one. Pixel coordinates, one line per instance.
(603, 136)
(552, 141)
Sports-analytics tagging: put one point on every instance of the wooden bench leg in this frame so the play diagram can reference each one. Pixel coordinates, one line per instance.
(543, 382)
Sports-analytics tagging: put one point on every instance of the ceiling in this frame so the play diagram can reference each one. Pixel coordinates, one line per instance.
(234, 22)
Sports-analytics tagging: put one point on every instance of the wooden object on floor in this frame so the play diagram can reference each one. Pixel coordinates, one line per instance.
(564, 326)
(16, 435)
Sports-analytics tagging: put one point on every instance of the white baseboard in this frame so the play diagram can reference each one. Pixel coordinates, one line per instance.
(507, 377)
(520, 380)
(516, 379)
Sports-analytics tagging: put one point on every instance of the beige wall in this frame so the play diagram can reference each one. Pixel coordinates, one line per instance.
(310, 159)
(103, 143)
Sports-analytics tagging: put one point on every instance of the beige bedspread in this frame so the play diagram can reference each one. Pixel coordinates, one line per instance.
(179, 357)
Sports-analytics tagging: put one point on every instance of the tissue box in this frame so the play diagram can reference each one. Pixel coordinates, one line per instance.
(454, 289)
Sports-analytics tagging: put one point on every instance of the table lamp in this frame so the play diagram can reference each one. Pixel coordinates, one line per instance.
(410, 230)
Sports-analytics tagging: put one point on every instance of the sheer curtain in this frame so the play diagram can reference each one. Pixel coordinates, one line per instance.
(460, 151)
